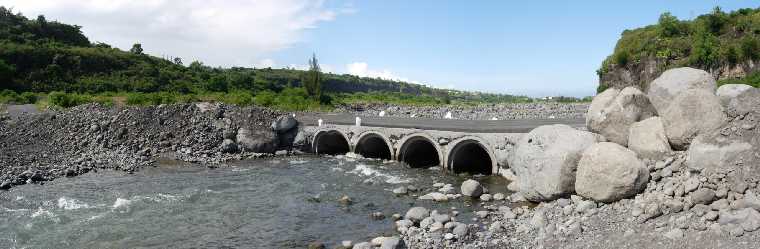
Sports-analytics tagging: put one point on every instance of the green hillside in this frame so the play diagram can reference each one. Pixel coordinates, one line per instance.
(715, 42)
(44, 56)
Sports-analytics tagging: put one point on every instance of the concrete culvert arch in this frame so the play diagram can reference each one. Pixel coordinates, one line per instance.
(331, 142)
(419, 152)
(373, 145)
(470, 156)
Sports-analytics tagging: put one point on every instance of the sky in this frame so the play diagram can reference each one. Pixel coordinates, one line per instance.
(534, 48)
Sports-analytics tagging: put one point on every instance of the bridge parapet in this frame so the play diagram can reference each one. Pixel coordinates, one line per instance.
(457, 152)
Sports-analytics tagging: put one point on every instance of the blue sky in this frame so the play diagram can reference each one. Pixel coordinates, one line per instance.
(535, 48)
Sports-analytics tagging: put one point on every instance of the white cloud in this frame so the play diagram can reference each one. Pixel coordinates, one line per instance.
(265, 63)
(362, 69)
(217, 32)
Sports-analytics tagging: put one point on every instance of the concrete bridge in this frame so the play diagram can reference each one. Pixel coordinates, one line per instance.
(476, 147)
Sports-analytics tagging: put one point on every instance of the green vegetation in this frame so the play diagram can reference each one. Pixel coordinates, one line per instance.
(752, 79)
(39, 56)
(709, 41)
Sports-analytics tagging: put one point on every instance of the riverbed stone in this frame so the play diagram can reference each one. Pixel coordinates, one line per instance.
(416, 214)
(612, 112)
(728, 92)
(743, 103)
(685, 99)
(284, 123)
(647, 138)
(545, 160)
(703, 196)
(748, 218)
(609, 172)
(714, 152)
(392, 243)
(363, 245)
(471, 188)
(229, 146)
(6, 185)
(316, 245)
(258, 141)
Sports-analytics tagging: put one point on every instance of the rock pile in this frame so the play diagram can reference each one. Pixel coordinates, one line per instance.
(681, 162)
(51, 144)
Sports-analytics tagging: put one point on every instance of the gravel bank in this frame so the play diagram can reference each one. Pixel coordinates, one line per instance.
(481, 112)
(43, 146)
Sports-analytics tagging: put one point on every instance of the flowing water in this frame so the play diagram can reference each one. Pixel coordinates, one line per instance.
(263, 203)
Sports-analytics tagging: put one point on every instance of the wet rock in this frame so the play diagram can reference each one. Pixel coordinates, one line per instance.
(258, 141)
(377, 216)
(6, 185)
(316, 245)
(471, 188)
(442, 218)
(434, 196)
(417, 214)
(612, 112)
(363, 245)
(229, 146)
(400, 191)
(545, 160)
(392, 243)
(498, 196)
(485, 197)
(609, 172)
(345, 200)
(647, 138)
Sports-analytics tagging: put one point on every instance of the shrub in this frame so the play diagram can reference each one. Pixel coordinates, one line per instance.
(27, 98)
(67, 100)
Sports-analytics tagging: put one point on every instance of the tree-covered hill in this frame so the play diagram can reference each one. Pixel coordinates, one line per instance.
(42, 56)
(725, 44)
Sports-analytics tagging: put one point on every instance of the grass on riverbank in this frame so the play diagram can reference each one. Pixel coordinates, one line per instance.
(289, 99)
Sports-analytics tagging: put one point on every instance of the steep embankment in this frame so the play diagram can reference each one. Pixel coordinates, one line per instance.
(725, 44)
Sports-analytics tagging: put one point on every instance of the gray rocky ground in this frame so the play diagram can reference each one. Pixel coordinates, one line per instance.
(43, 146)
(540, 110)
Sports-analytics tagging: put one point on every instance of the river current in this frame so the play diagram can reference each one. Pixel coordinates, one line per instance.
(261, 203)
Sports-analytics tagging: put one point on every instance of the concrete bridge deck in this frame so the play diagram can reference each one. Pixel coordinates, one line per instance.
(473, 146)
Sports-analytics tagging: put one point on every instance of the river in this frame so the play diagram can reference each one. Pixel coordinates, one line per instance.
(262, 203)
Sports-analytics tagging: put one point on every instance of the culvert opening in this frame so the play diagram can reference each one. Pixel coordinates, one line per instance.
(373, 146)
(419, 153)
(331, 143)
(470, 157)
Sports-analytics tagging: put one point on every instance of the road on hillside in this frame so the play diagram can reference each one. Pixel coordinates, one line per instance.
(476, 126)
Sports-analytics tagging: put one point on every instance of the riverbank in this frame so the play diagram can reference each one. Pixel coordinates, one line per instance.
(505, 111)
(43, 146)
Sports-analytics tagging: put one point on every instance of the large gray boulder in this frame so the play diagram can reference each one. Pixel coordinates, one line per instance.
(713, 152)
(685, 99)
(471, 188)
(545, 160)
(258, 141)
(612, 112)
(284, 124)
(417, 214)
(743, 102)
(730, 91)
(609, 172)
(647, 138)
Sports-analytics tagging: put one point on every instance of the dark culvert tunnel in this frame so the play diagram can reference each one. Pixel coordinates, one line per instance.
(373, 146)
(331, 143)
(419, 152)
(470, 157)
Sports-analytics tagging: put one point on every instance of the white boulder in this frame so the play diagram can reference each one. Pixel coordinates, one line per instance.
(609, 172)
(647, 138)
(612, 112)
(546, 158)
(685, 99)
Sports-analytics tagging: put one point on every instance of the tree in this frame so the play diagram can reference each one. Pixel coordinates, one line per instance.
(136, 49)
(178, 61)
(669, 25)
(312, 79)
(6, 75)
